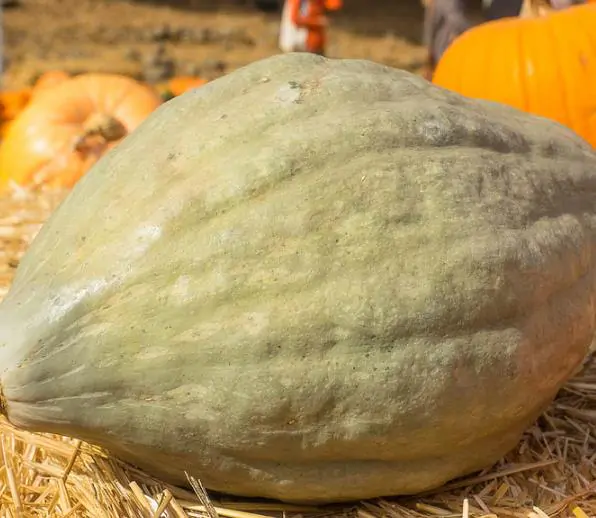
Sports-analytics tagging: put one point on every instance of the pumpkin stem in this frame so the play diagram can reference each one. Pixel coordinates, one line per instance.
(535, 9)
(100, 125)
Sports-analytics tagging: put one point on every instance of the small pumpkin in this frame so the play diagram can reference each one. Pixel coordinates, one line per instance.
(297, 284)
(67, 128)
(519, 61)
(179, 85)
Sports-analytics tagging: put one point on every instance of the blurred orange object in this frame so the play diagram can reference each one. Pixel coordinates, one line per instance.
(65, 129)
(181, 84)
(304, 25)
(309, 15)
(335, 5)
(178, 85)
(518, 61)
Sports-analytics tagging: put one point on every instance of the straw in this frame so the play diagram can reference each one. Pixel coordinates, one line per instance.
(551, 473)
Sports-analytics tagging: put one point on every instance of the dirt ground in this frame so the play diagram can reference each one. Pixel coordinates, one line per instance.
(153, 39)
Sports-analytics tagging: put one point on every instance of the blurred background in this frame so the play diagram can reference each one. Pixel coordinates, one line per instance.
(153, 40)
(58, 116)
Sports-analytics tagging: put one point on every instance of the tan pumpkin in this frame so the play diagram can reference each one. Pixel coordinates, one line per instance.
(67, 128)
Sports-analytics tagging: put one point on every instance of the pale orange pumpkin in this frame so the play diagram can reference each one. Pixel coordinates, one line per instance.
(67, 128)
(12, 102)
(543, 62)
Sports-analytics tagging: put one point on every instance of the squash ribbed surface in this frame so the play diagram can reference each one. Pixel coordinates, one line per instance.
(312, 279)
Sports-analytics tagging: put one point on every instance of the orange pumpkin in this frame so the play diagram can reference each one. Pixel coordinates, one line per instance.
(49, 79)
(66, 129)
(543, 62)
(179, 85)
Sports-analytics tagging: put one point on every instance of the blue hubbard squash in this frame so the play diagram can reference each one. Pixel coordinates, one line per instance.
(313, 279)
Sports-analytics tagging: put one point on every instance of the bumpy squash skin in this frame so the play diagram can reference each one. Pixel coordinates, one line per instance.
(314, 280)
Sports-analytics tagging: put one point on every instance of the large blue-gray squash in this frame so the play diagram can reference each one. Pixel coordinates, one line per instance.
(314, 280)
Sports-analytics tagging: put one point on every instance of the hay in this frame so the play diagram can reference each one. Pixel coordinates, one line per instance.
(551, 473)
